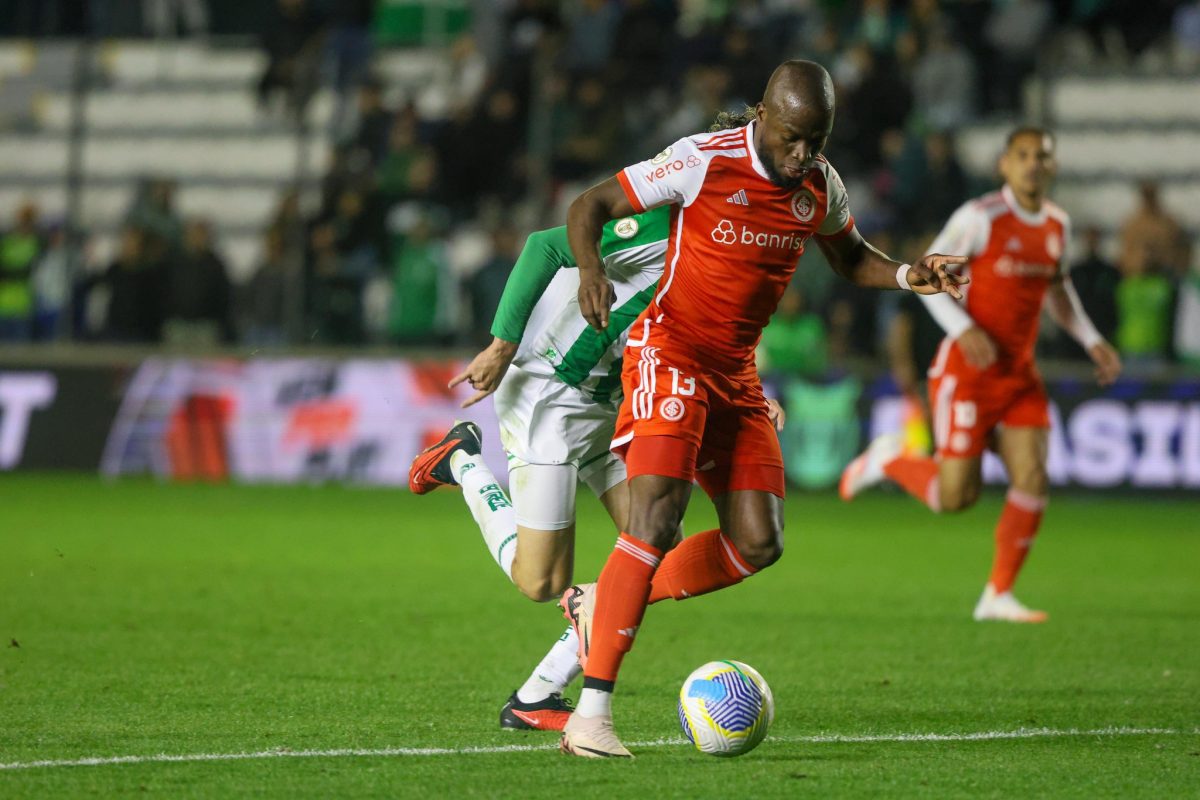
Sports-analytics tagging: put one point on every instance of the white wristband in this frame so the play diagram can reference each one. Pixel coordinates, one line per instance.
(902, 276)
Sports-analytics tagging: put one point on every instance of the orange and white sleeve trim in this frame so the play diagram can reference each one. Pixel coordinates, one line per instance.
(630, 194)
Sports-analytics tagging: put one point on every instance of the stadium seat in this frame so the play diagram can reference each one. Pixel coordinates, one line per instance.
(1118, 100)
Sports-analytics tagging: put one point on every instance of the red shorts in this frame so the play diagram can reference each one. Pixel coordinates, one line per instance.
(717, 432)
(968, 403)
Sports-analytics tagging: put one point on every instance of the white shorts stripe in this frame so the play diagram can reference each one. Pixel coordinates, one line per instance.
(643, 396)
(639, 403)
(631, 342)
(653, 370)
(939, 361)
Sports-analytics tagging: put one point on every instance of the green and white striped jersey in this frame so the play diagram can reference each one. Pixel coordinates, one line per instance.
(539, 309)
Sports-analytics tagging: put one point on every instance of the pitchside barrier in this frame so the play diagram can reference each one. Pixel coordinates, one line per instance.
(361, 420)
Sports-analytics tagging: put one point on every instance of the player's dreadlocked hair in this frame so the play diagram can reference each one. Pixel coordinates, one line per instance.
(728, 119)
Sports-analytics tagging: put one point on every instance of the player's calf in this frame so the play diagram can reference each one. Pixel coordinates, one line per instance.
(540, 588)
(657, 505)
(543, 565)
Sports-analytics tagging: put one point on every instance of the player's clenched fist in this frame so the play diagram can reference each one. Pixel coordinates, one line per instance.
(931, 275)
(596, 297)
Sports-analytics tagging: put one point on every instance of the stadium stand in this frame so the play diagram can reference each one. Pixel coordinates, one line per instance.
(185, 110)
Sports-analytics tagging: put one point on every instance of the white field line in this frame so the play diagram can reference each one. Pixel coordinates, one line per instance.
(387, 752)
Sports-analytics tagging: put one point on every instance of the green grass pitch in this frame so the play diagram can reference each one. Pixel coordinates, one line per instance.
(139, 619)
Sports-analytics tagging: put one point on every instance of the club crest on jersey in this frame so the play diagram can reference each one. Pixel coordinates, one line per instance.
(804, 205)
(671, 409)
(1054, 246)
(626, 228)
(661, 157)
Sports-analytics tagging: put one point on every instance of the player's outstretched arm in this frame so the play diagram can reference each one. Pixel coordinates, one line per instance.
(585, 223)
(544, 253)
(1062, 301)
(541, 257)
(852, 257)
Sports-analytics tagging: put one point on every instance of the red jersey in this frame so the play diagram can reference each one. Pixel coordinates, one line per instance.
(735, 239)
(1014, 256)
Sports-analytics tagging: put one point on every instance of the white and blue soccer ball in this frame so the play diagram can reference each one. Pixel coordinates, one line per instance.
(725, 708)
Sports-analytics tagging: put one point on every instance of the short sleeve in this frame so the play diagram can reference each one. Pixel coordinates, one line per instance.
(837, 217)
(673, 176)
(965, 234)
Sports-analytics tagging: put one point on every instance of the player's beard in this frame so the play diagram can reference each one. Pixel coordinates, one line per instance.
(779, 179)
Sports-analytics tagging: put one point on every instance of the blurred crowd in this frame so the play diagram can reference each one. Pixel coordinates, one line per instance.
(430, 189)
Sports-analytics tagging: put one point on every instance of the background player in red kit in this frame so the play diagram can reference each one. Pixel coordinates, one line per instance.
(983, 382)
(744, 202)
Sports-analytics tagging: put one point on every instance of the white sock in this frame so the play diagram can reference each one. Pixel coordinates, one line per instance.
(559, 667)
(594, 703)
(489, 506)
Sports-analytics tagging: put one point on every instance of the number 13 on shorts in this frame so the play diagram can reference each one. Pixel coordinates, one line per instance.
(681, 384)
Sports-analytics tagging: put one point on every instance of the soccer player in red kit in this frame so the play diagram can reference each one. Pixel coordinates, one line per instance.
(743, 204)
(984, 386)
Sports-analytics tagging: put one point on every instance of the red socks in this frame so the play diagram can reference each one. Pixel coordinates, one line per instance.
(632, 579)
(621, 596)
(701, 563)
(1015, 532)
(918, 476)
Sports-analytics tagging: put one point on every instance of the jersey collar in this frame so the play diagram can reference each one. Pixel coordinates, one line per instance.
(754, 162)
(1028, 218)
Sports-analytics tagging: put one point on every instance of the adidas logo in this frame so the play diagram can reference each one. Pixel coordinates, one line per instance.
(738, 198)
(1013, 244)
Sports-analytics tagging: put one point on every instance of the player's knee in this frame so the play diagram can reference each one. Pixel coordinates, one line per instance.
(959, 498)
(761, 555)
(762, 547)
(1032, 481)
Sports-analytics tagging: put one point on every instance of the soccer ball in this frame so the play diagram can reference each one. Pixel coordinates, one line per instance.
(725, 708)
